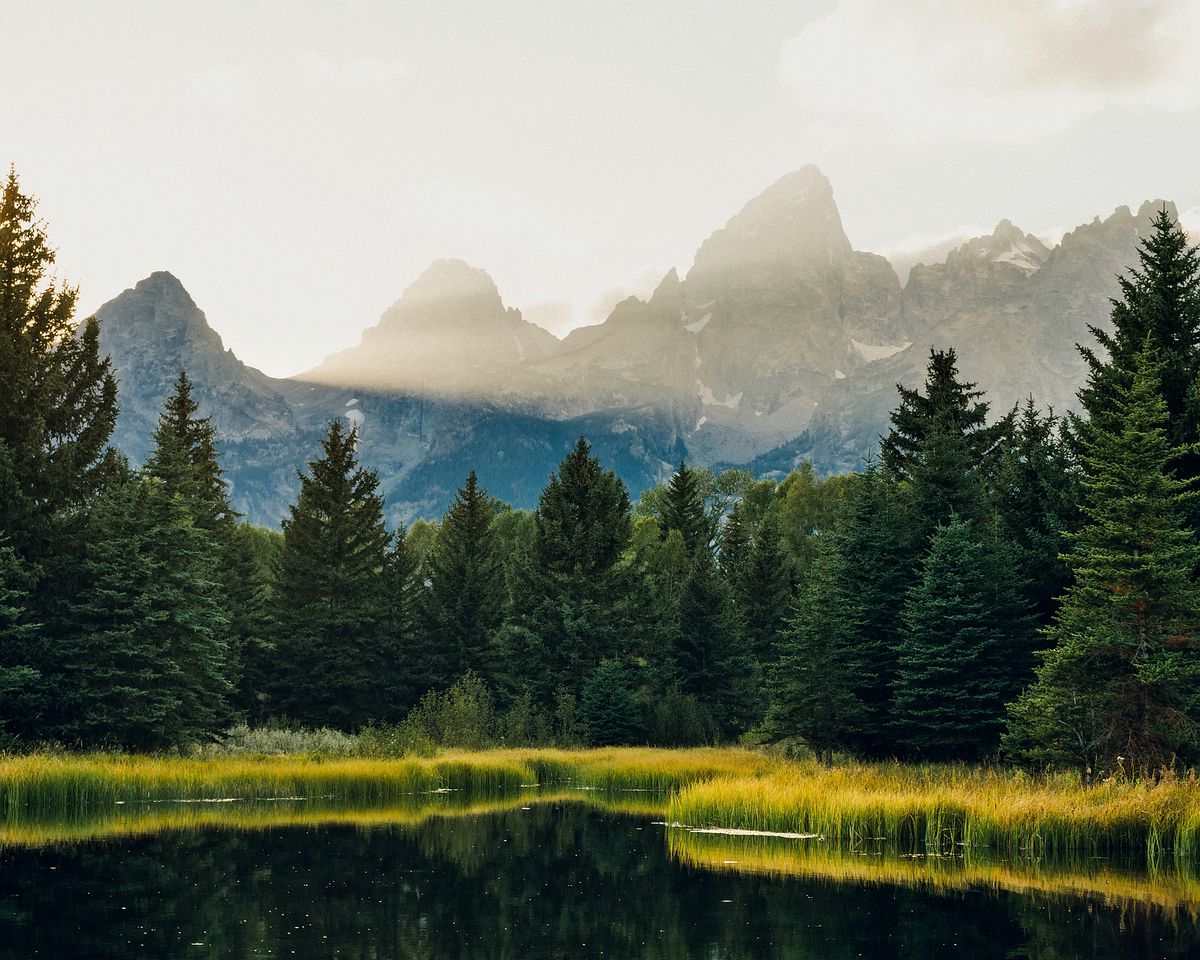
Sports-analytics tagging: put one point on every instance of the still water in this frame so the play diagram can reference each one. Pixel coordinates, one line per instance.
(542, 878)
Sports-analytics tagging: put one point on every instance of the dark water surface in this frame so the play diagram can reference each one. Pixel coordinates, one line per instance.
(559, 880)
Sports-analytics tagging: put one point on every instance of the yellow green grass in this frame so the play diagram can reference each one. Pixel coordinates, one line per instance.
(67, 782)
(942, 808)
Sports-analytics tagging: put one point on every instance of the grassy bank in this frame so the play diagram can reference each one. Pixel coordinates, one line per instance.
(919, 809)
(942, 809)
(66, 783)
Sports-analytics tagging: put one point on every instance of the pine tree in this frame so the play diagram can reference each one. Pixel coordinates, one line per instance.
(576, 592)
(58, 398)
(18, 635)
(875, 535)
(813, 683)
(762, 593)
(185, 459)
(608, 707)
(464, 600)
(1035, 490)
(709, 658)
(1160, 301)
(1118, 687)
(147, 665)
(942, 445)
(58, 407)
(331, 596)
(684, 510)
(966, 646)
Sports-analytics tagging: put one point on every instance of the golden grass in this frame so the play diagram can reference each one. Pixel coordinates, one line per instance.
(64, 782)
(941, 808)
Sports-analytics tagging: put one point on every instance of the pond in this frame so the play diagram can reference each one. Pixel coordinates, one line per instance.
(534, 876)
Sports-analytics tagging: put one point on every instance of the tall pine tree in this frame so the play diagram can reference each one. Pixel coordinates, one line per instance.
(1119, 685)
(331, 595)
(966, 647)
(464, 601)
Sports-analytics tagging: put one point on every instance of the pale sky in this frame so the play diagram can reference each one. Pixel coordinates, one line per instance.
(296, 165)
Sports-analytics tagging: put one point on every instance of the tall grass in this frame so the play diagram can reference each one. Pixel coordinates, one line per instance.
(941, 808)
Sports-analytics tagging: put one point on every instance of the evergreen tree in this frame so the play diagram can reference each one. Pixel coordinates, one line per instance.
(1118, 687)
(710, 661)
(875, 537)
(464, 599)
(17, 636)
(185, 459)
(1160, 301)
(734, 546)
(966, 647)
(608, 707)
(331, 595)
(147, 665)
(58, 407)
(941, 444)
(1035, 490)
(762, 592)
(684, 510)
(813, 683)
(58, 398)
(576, 592)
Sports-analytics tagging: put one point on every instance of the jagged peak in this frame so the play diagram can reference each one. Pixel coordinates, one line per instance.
(450, 279)
(669, 288)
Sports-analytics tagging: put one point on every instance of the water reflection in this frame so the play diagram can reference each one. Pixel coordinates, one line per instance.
(524, 879)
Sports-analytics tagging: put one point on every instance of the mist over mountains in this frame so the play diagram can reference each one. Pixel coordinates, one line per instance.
(781, 343)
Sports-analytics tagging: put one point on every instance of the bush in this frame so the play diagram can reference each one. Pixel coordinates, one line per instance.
(273, 740)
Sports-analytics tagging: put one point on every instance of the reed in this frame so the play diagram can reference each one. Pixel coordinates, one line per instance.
(944, 808)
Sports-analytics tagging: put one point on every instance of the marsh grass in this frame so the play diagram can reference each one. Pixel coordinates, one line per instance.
(944, 808)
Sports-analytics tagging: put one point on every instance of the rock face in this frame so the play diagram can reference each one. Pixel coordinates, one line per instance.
(782, 342)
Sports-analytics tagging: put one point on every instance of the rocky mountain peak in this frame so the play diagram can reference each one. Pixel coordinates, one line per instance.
(791, 227)
(452, 282)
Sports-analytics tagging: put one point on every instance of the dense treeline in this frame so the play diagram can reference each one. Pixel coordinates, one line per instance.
(1021, 585)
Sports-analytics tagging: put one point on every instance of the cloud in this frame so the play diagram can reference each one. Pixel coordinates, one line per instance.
(348, 76)
(977, 70)
(221, 85)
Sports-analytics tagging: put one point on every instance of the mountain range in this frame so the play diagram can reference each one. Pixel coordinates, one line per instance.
(781, 343)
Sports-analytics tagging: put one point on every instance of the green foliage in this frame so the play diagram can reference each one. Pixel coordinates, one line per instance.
(463, 603)
(680, 719)
(710, 660)
(58, 398)
(1119, 684)
(608, 707)
(683, 511)
(807, 508)
(331, 598)
(1159, 304)
(18, 635)
(148, 664)
(966, 646)
(575, 590)
(813, 684)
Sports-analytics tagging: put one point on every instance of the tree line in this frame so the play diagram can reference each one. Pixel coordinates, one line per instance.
(1020, 586)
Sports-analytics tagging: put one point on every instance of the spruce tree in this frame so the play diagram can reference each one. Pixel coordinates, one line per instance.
(464, 600)
(710, 660)
(331, 594)
(1118, 686)
(1035, 491)
(58, 398)
(762, 592)
(608, 707)
(684, 510)
(18, 634)
(147, 666)
(965, 649)
(942, 445)
(875, 537)
(1159, 302)
(576, 593)
(813, 683)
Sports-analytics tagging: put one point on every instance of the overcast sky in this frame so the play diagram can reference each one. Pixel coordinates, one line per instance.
(296, 165)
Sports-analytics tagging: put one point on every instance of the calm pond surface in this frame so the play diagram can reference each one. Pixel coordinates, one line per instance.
(544, 878)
